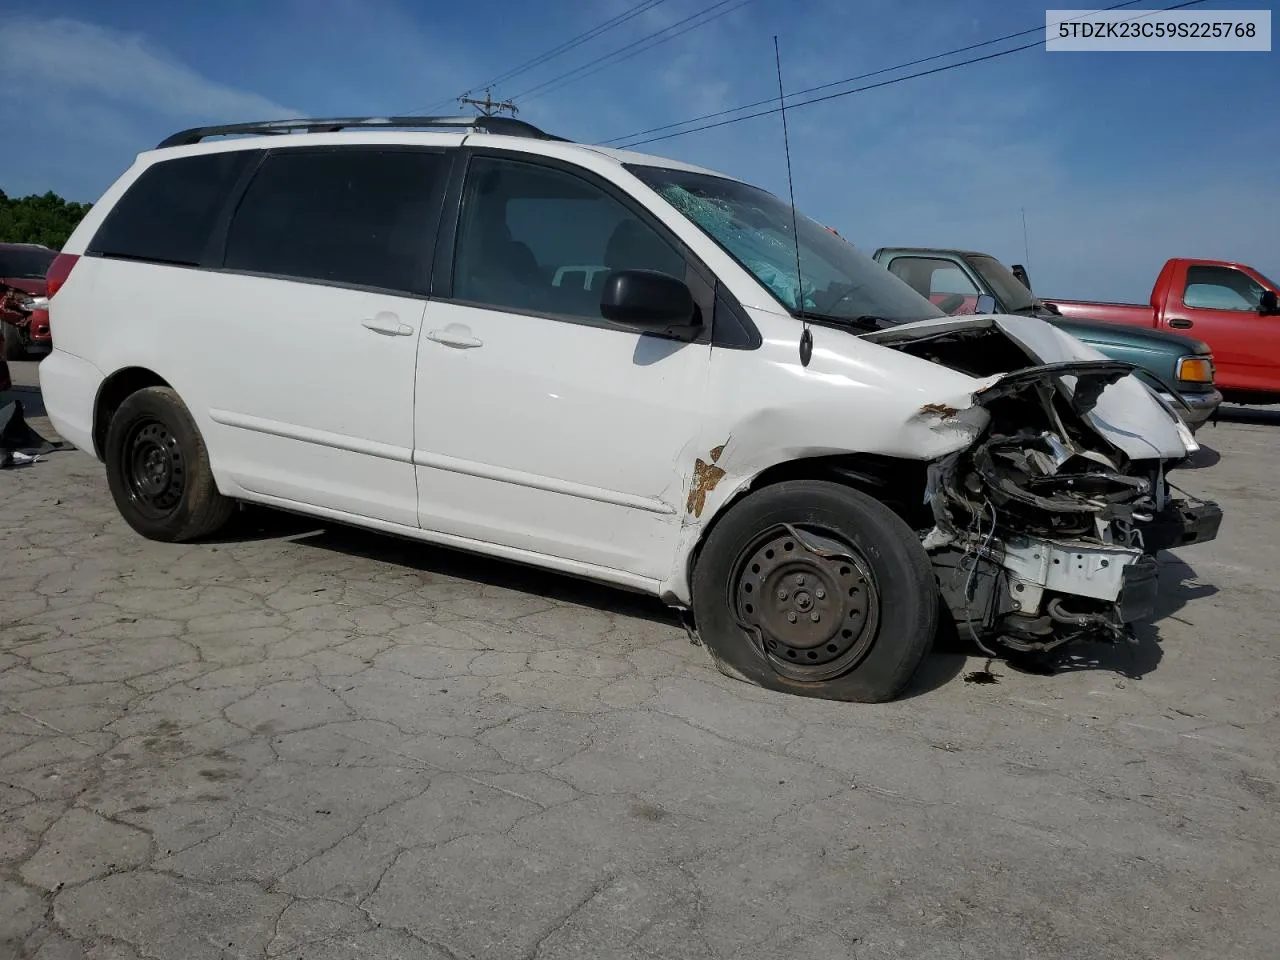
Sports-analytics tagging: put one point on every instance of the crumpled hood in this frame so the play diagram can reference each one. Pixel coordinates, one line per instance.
(1127, 413)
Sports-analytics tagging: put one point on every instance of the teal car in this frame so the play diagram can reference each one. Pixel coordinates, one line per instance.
(1178, 368)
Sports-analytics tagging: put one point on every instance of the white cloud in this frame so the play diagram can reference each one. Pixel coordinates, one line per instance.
(42, 58)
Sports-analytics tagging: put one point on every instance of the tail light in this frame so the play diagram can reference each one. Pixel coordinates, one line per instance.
(1195, 369)
(59, 270)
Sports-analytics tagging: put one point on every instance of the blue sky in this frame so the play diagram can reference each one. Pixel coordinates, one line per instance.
(1119, 160)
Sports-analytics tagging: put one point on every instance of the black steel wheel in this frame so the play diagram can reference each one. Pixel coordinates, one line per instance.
(154, 468)
(810, 599)
(816, 589)
(158, 469)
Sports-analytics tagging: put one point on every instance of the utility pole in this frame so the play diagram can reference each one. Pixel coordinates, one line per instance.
(488, 106)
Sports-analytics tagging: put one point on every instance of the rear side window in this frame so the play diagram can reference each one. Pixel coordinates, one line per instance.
(358, 216)
(169, 212)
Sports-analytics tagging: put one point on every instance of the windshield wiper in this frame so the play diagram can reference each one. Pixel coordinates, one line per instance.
(866, 321)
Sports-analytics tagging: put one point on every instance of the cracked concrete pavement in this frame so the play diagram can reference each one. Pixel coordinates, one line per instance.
(308, 741)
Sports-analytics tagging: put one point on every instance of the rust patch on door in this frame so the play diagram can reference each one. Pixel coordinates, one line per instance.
(705, 477)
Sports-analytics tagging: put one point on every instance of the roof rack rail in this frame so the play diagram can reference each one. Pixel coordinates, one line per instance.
(506, 126)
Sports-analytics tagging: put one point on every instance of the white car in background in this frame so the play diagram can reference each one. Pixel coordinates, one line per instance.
(602, 363)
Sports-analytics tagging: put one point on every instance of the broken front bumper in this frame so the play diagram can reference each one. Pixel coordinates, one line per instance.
(1036, 593)
(1181, 524)
(1141, 588)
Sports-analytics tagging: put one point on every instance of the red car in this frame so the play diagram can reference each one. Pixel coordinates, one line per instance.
(22, 268)
(1230, 306)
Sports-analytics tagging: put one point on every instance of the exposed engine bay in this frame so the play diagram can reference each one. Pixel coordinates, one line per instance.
(1046, 527)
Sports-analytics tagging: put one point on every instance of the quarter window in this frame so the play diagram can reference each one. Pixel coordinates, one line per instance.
(349, 216)
(1221, 288)
(168, 214)
(538, 240)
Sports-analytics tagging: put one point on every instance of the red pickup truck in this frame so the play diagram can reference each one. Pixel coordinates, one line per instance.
(1230, 306)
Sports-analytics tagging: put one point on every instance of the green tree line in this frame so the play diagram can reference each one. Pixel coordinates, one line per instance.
(46, 219)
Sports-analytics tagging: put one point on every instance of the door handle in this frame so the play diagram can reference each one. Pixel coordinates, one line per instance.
(387, 323)
(455, 335)
(1181, 324)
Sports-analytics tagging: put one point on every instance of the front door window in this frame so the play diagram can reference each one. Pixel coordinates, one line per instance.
(1221, 288)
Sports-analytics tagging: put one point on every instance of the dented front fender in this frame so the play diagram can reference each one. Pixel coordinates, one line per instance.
(768, 409)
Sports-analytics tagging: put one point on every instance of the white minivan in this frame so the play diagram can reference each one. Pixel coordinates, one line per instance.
(611, 365)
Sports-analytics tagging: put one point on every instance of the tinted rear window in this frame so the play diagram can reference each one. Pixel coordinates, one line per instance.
(358, 216)
(170, 211)
(30, 264)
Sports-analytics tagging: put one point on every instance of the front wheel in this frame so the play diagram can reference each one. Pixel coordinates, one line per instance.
(816, 589)
(158, 469)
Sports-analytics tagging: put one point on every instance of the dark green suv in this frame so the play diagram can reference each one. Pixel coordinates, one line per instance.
(956, 280)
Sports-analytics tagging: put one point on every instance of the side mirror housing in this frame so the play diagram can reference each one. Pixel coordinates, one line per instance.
(986, 304)
(648, 300)
(1267, 305)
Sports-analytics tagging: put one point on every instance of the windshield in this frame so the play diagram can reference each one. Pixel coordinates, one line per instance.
(1008, 288)
(25, 264)
(754, 227)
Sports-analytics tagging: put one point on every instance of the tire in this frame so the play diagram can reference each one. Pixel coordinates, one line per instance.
(158, 469)
(14, 348)
(879, 595)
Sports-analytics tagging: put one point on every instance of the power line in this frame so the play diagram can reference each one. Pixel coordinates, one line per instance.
(836, 83)
(582, 38)
(630, 13)
(833, 96)
(640, 46)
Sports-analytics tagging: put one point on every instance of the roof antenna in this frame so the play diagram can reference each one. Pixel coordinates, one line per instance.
(806, 335)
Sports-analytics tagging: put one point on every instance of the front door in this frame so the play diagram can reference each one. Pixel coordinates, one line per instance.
(541, 426)
(310, 330)
(1220, 305)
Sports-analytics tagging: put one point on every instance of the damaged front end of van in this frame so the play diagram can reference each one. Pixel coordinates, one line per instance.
(1047, 524)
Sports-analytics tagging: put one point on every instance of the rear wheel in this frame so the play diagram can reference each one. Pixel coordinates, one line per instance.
(158, 469)
(816, 589)
(14, 348)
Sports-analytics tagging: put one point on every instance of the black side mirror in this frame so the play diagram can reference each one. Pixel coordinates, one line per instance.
(1267, 305)
(986, 304)
(647, 299)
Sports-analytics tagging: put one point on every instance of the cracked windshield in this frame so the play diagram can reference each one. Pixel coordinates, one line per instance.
(754, 227)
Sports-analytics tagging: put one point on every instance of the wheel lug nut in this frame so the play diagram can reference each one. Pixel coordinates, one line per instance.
(820, 594)
(800, 580)
(782, 594)
(791, 617)
(815, 617)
